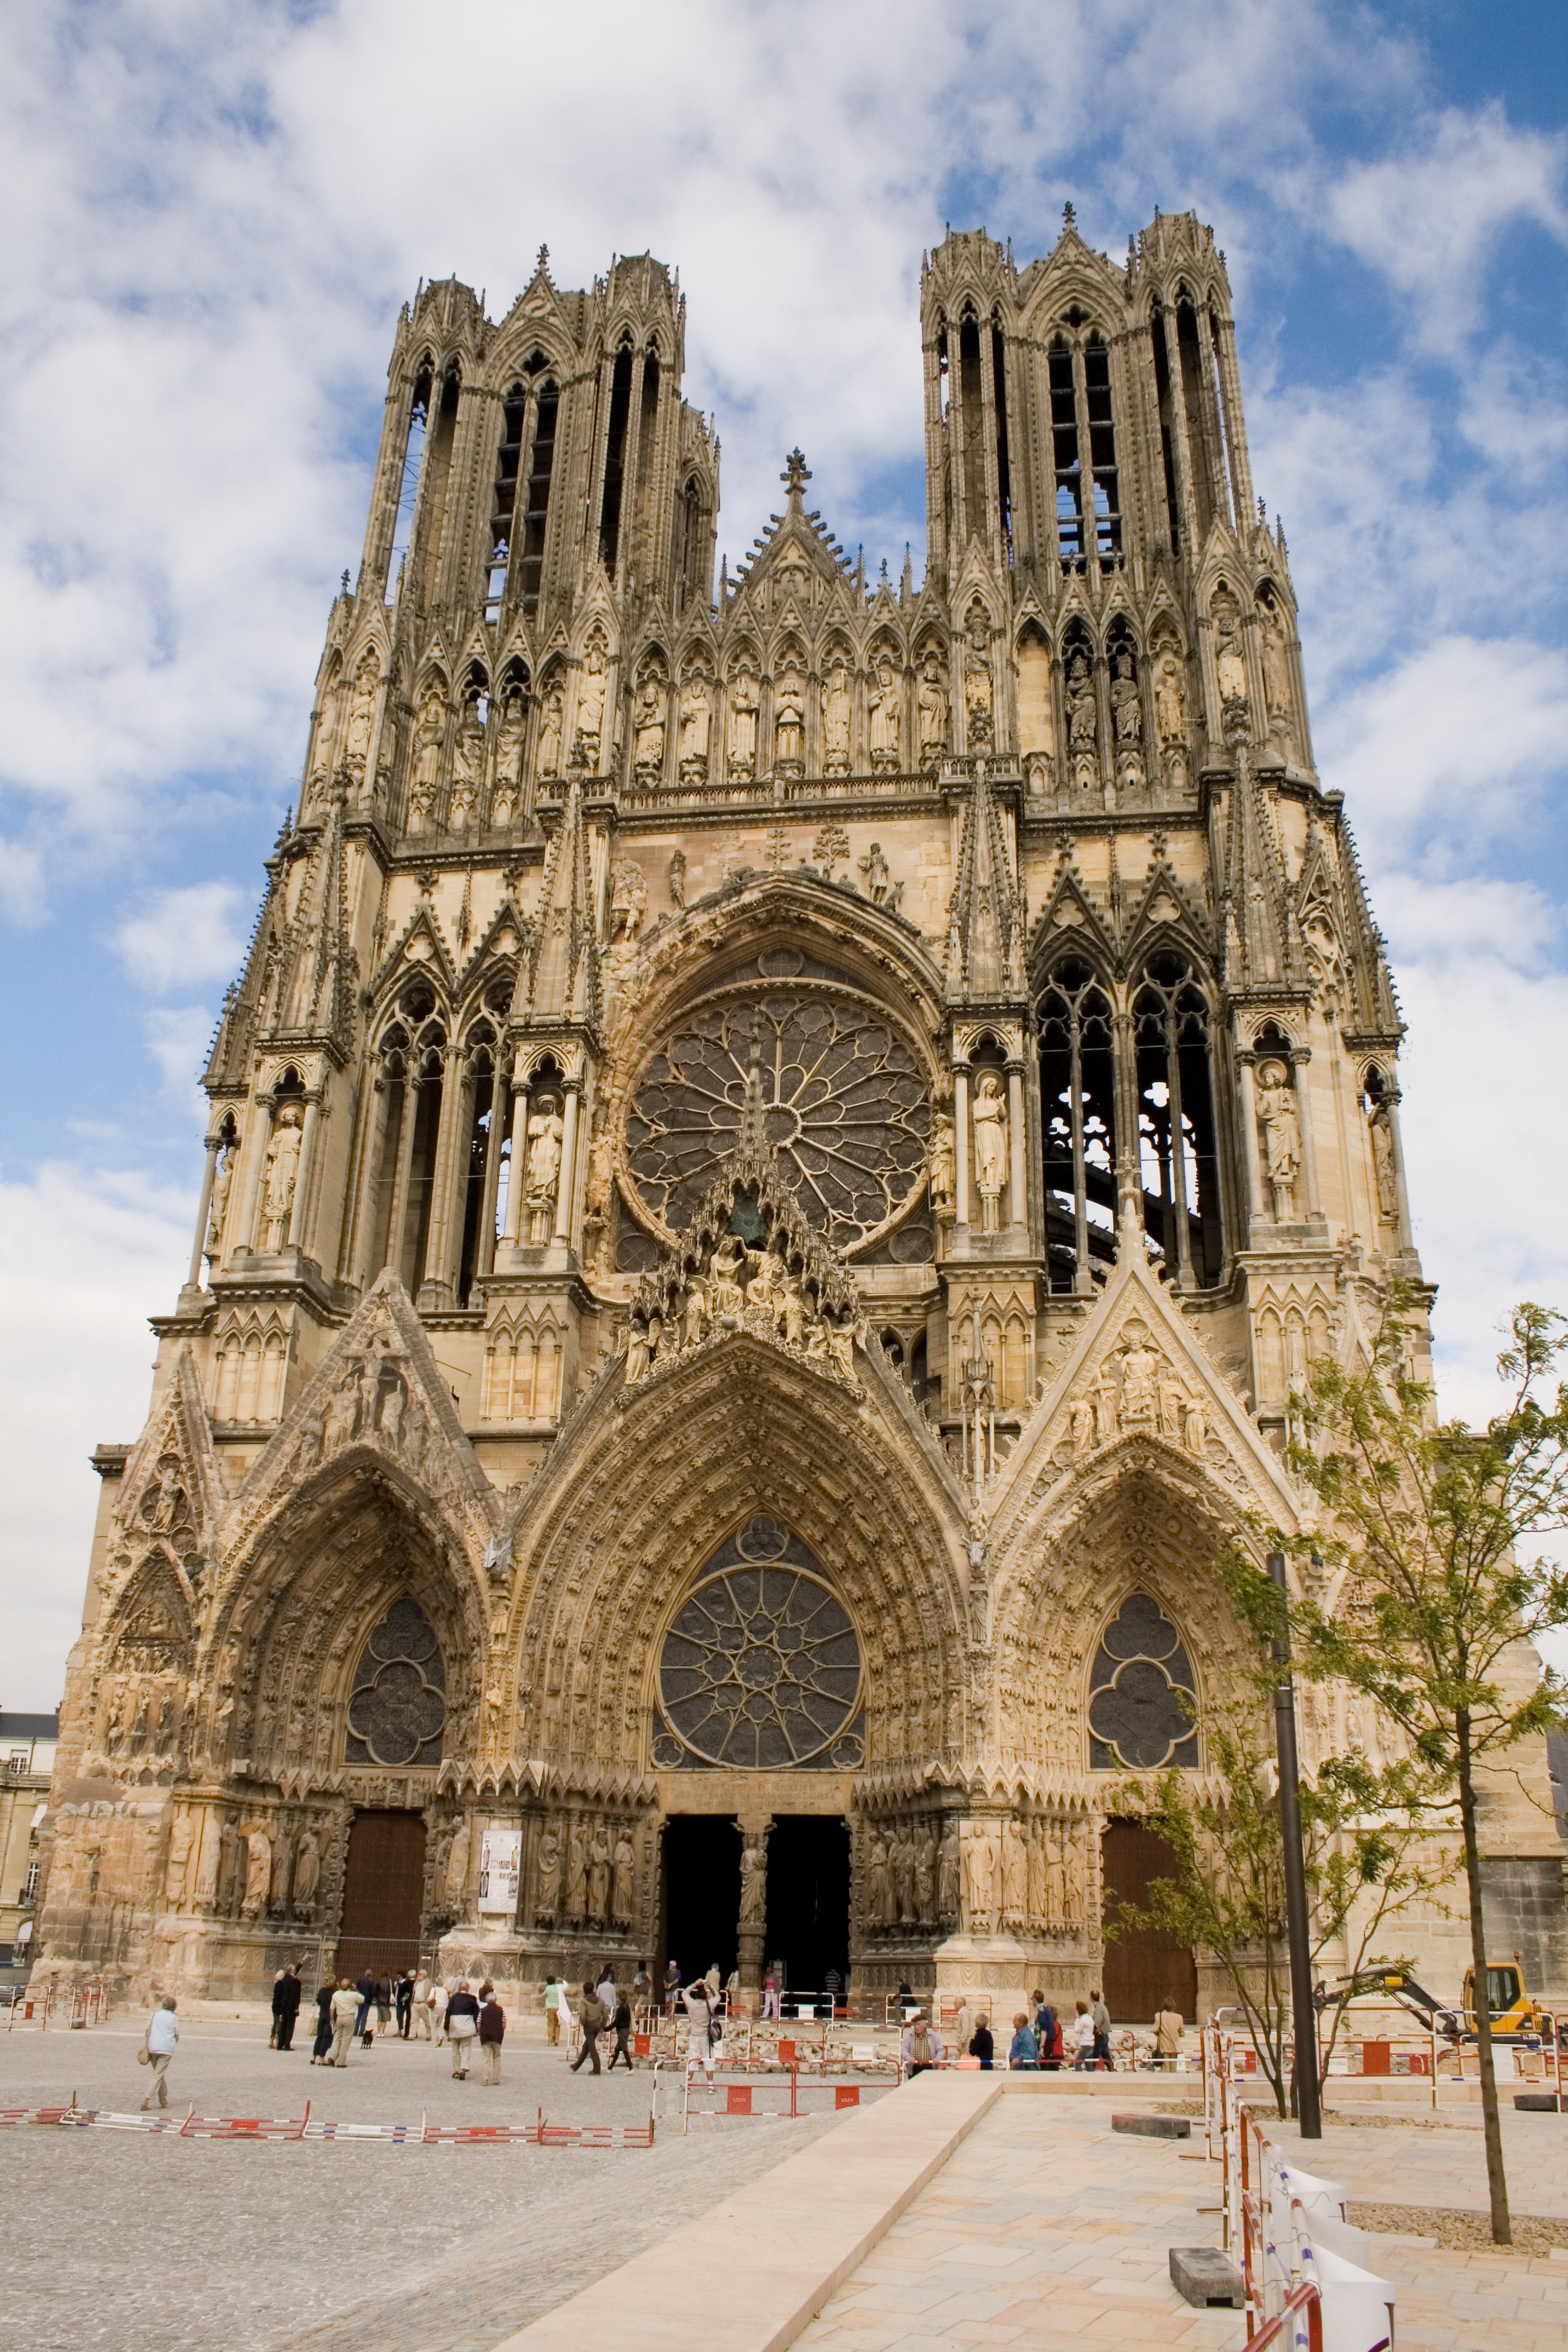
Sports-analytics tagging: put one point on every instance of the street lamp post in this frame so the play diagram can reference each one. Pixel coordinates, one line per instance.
(1309, 2108)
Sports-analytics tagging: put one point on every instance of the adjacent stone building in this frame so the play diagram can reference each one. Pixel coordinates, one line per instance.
(779, 1148)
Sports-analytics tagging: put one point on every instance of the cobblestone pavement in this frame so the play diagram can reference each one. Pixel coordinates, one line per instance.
(1048, 2231)
(157, 2244)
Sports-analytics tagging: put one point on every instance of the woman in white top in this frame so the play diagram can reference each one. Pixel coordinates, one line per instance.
(439, 1997)
(1083, 2035)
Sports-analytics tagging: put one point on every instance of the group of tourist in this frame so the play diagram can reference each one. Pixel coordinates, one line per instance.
(1047, 2039)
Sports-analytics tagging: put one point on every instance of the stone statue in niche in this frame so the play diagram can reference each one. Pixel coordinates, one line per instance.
(509, 732)
(222, 1182)
(878, 880)
(307, 1875)
(1381, 1130)
(430, 735)
(282, 1176)
(1230, 657)
(949, 1878)
(695, 730)
(552, 726)
(989, 1116)
(886, 705)
(181, 1838)
(836, 712)
(592, 687)
(1083, 728)
(1281, 1121)
(258, 1873)
(598, 1873)
(754, 1884)
(741, 750)
(942, 1165)
(980, 1858)
(648, 729)
(789, 724)
(457, 1865)
(1275, 657)
(542, 1172)
(876, 1883)
(628, 900)
(931, 702)
(1127, 719)
(677, 876)
(1140, 1376)
(1171, 715)
(547, 1873)
(467, 770)
(362, 719)
(979, 692)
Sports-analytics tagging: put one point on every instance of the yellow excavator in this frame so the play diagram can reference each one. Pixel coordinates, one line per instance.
(1515, 2016)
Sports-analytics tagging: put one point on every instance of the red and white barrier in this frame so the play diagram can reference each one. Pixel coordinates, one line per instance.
(541, 2133)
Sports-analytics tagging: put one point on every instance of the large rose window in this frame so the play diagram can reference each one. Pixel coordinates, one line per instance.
(398, 1710)
(760, 1669)
(845, 1106)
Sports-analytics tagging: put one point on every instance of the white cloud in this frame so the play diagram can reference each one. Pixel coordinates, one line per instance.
(86, 1253)
(184, 937)
(1450, 749)
(1430, 219)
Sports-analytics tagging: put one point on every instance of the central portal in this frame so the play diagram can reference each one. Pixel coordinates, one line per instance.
(701, 1893)
(808, 1899)
(382, 1895)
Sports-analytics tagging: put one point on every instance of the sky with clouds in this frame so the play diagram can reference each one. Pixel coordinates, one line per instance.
(214, 209)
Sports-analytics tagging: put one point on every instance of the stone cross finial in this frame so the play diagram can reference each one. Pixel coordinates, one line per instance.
(541, 267)
(1070, 218)
(796, 473)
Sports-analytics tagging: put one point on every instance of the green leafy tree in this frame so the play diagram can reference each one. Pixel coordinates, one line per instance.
(1426, 1573)
(1364, 1834)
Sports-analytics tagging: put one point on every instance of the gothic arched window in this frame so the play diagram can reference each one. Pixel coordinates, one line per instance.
(1178, 1167)
(398, 1709)
(761, 1668)
(1077, 1111)
(503, 501)
(615, 455)
(1141, 1693)
(1083, 448)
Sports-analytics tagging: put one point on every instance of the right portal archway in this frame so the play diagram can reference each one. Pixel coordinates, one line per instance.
(1145, 1968)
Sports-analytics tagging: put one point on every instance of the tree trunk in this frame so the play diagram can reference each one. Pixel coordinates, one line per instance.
(1496, 2181)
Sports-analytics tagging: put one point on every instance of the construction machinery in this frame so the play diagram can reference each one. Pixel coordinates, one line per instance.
(1515, 2015)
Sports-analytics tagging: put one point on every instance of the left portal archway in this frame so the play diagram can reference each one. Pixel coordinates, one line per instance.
(384, 1895)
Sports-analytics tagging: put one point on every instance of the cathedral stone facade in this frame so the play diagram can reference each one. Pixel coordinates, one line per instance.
(778, 1151)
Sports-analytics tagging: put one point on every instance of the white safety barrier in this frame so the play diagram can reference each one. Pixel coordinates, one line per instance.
(424, 2134)
(1286, 2227)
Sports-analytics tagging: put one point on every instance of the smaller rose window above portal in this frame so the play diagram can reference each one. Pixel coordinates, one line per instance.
(398, 1710)
(760, 1669)
(1139, 1709)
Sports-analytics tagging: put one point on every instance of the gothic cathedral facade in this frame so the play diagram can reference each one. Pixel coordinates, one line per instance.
(778, 1151)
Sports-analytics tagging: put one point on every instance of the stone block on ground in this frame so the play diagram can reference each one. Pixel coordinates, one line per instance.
(1154, 2126)
(1536, 2102)
(1204, 2276)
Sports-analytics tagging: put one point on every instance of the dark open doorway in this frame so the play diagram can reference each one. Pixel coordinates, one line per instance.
(384, 1895)
(1145, 1968)
(701, 1893)
(808, 1898)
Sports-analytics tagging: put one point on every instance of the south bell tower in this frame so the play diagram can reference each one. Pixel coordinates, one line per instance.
(778, 1151)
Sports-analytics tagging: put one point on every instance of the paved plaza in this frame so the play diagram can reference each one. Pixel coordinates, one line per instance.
(157, 2244)
(1047, 2229)
(1044, 2228)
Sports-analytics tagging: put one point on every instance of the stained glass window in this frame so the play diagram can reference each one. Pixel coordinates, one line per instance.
(845, 1108)
(760, 1669)
(1139, 1709)
(398, 1710)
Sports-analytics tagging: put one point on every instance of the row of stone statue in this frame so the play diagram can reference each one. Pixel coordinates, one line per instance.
(241, 1869)
(585, 1871)
(465, 767)
(987, 1877)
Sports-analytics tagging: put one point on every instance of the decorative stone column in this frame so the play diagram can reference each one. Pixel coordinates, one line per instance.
(203, 1211)
(1299, 1057)
(1246, 1062)
(750, 1931)
(961, 1142)
(566, 1179)
(1016, 1146)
